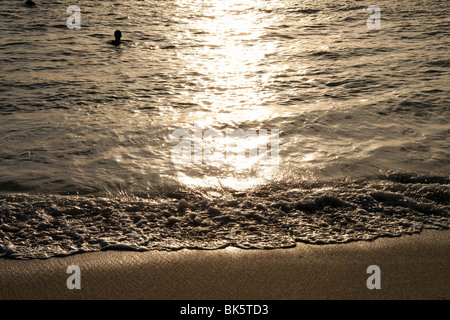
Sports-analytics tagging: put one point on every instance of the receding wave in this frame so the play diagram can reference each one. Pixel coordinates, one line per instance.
(267, 217)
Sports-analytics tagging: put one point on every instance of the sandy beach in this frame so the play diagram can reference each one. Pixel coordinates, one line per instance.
(412, 267)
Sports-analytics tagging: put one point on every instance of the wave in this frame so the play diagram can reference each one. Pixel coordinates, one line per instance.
(276, 215)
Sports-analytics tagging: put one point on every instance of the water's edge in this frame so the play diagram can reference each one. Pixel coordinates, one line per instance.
(268, 217)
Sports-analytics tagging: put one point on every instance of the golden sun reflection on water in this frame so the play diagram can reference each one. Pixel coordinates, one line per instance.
(227, 67)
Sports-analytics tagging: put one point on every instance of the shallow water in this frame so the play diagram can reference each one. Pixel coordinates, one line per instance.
(362, 119)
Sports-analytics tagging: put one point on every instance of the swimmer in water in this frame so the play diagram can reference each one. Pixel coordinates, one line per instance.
(30, 3)
(117, 36)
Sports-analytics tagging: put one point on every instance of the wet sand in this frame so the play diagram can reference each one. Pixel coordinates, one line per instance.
(412, 267)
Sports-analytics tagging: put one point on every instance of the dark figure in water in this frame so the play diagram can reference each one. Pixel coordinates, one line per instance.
(30, 3)
(117, 36)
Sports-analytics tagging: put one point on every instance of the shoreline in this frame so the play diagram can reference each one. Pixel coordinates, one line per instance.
(412, 267)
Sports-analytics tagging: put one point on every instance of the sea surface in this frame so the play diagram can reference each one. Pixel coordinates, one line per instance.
(128, 147)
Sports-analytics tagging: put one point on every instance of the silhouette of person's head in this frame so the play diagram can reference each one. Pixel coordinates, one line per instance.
(117, 36)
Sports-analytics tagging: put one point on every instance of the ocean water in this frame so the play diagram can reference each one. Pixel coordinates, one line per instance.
(356, 121)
